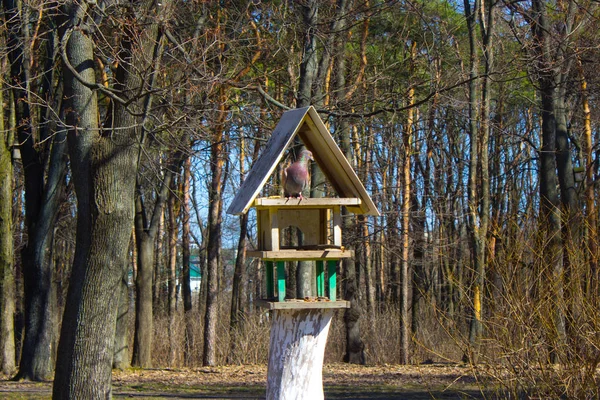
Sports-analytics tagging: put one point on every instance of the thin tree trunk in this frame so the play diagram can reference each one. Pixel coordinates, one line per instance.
(217, 162)
(419, 277)
(550, 211)
(186, 263)
(43, 193)
(158, 281)
(121, 350)
(145, 234)
(172, 282)
(7, 273)
(364, 254)
(238, 292)
(590, 199)
(142, 344)
(355, 347)
(406, 329)
(478, 199)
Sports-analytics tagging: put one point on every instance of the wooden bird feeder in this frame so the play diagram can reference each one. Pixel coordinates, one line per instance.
(319, 219)
(297, 324)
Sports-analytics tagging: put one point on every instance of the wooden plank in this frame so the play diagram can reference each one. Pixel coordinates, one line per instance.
(320, 279)
(337, 226)
(265, 164)
(269, 279)
(307, 220)
(291, 255)
(332, 275)
(281, 280)
(321, 202)
(301, 304)
(274, 229)
(324, 226)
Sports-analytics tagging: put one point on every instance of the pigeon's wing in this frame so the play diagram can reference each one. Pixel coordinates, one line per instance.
(307, 179)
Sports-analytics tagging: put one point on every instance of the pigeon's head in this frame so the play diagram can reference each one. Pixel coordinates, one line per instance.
(306, 155)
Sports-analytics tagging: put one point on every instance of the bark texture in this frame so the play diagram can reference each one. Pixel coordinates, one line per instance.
(296, 351)
(7, 276)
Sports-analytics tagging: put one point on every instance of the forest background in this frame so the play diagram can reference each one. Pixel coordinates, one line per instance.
(127, 127)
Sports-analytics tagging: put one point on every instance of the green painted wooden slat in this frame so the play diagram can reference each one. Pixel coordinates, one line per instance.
(320, 279)
(269, 278)
(281, 280)
(331, 271)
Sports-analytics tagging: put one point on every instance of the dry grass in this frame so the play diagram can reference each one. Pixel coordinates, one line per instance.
(341, 381)
(379, 333)
(521, 355)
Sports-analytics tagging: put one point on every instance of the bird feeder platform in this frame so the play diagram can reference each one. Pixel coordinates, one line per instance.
(301, 304)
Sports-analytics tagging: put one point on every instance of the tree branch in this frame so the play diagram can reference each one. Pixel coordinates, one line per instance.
(89, 85)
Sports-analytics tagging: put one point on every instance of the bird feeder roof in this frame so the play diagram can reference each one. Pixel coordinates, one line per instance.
(306, 123)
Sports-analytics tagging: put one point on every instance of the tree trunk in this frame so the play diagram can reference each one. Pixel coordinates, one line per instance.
(239, 272)
(478, 207)
(105, 184)
(591, 216)
(238, 297)
(42, 199)
(121, 350)
(145, 235)
(186, 265)
(406, 328)
(309, 64)
(217, 161)
(172, 234)
(7, 274)
(142, 343)
(296, 351)
(550, 211)
(355, 348)
(84, 371)
(419, 276)
(158, 281)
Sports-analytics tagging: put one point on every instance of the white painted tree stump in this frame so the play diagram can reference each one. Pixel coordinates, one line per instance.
(296, 351)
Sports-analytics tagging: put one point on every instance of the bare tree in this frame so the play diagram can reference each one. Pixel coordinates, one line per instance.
(104, 171)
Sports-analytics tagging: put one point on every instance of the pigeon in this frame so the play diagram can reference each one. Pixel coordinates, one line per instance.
(296, 177)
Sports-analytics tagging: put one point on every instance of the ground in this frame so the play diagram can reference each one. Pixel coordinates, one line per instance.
(341, 381)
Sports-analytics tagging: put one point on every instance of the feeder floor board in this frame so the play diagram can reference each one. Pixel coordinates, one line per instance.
(295, 255)
(306, 202)
(301, 304)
